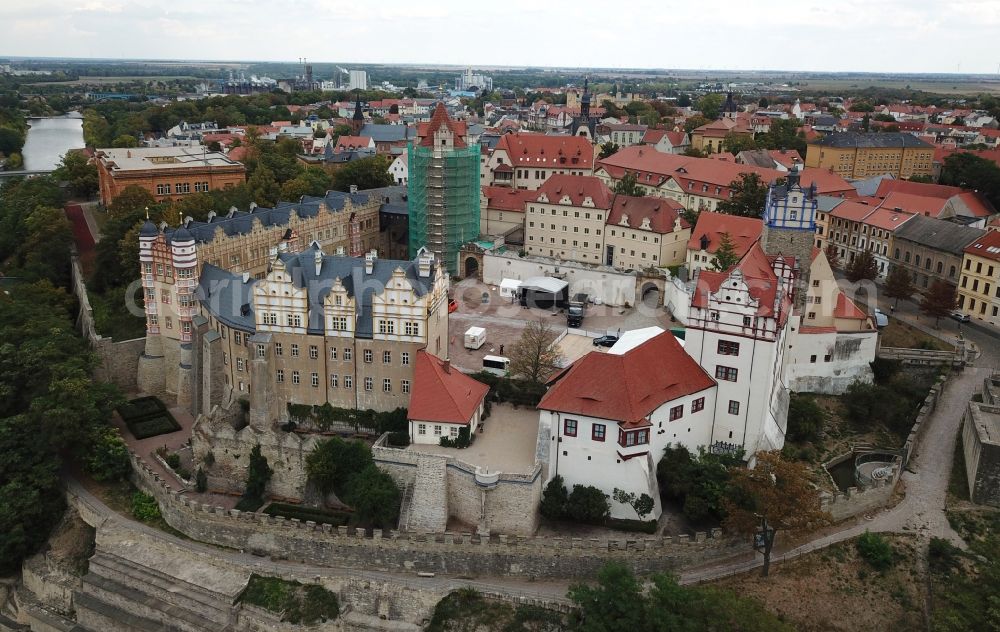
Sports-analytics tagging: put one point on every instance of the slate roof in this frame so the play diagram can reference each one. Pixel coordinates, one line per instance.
(241, 222)
(881, 139)
(388, 133)
(938, 234)
(228, 296)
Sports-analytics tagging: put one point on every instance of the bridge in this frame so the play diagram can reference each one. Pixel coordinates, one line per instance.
(7, 175)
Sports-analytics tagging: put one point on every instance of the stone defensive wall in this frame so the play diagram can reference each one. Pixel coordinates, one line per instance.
(452, 553)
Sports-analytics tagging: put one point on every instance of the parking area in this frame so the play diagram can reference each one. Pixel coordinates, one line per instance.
(505, 442)
(480, 305)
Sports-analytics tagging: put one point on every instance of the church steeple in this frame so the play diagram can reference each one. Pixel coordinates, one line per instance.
(358, 120)
(585, 101)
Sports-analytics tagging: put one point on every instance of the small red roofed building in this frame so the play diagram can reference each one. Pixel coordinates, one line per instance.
(443, 401)
(502, 209)
(644, 232)
(353, 143)
(667, 141)
(611, 432)
(707, 234)
(524, 160)
(710, 137)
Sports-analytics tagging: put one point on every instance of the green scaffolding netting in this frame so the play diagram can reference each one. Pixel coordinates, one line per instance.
(443, 200)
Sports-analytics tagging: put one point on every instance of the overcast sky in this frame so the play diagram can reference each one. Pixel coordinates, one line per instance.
(859, 35)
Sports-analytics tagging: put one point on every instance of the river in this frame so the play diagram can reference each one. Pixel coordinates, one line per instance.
(49, 138)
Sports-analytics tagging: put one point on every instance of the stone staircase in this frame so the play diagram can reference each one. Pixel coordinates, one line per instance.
(404, 507)
(119, 596)
(428, 511)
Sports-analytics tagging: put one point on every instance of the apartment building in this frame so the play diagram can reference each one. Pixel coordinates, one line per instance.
(320, 328)
(644, 232)
(979, 287)
(863, 155)
(168, 173)
(932, 249)
(566, 219)
(526, 160)
(701, 183)
(501, 209)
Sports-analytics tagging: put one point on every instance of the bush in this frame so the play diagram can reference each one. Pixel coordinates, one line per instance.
(140, 408)
(805, 418)
(258, 475)
(588, 504)
(108, 457)
(297, 603)
(249, 504)
(942, 555)
(144, 507)
(554, 499)
(875, 550)
(399, 439)
(153, 426)
(173, 460)
(697, 483)
(200, 481)
(334, 461)
(463, 440)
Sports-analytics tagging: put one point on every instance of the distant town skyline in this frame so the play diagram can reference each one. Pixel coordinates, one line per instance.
(913, 36)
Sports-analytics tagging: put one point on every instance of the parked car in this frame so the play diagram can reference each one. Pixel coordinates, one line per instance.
(960, 317)
(452, 306)
(606, 341)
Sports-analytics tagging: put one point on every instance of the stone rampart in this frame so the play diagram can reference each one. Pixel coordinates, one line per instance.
(118, 361)
(452, 553)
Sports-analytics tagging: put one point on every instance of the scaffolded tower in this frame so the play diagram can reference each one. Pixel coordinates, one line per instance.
(443, 192)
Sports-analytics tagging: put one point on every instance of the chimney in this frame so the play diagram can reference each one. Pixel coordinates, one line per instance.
(318, 260)
(446, 365)
(370, 262)
(354, 188)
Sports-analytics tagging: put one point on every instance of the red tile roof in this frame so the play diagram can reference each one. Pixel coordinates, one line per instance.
(577, 188)
(919, 204)
(548, 152)
(662, 212)
(887, 218)
(441, 393)
(786, 157)
(743, 231)
(425, 131)
(759, 276)
(852, 211)
(987, 246)
(691, 173)
(507, 199)
(941, 191)
(646, 377)
(354, 142)
(847, 309)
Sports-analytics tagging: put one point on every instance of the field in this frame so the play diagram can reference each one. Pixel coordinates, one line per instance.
(102, 81)
(947, 87)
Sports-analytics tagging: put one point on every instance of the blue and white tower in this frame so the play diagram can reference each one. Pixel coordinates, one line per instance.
(790, 228)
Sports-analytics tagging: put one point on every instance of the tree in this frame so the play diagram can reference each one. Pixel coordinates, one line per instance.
(899, 284)
(108, 459)
(79, 173)
(938, 300)
(11, 140)
(763, 103)
(554, 499)
(132, 199)
(735, 142)
(607, 149)
(258, 475)
(694, 122)
(783, 134)
(697, 482)
(749, 196)
(725, 255)
(125, 140)
(862, 267)
(587, 504)
(615, 604)
(533, 356)
(374, 497)
(970, 171)
(684, 101)
(641, 504)
(332, 463)
(805, 418)
(366, 173)
(14, 161)
(264, 187)
(710, 106)
(776, 495)
(627, 185)
(833, 255)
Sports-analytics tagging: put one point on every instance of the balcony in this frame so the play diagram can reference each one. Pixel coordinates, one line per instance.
(186, 283)
(187, 312)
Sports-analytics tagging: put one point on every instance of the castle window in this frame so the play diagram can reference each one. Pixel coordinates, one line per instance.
(369, 384)
(387, 357)
(348, 381)
(386, 385)
(313, 352)
(598, 432)
(260, 351)
(279, 376)
(734, 407)
(295, 377)
(315, 380)
(278, 349)
(404, 358)
(368, 355)
(163, 189)
(698, 405)
(728, 347)
(347, 354)
(726, 373)
(676, 412)
(338, 323)
(386, 327)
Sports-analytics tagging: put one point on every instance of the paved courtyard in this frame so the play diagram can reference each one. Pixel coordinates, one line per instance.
(505, 442)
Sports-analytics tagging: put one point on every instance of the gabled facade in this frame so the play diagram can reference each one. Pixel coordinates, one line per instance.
(525, 160)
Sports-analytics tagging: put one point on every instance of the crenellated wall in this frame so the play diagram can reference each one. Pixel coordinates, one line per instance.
(453, 553)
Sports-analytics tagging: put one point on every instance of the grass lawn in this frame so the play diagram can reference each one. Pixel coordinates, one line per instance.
(899, 334)
(296, 602)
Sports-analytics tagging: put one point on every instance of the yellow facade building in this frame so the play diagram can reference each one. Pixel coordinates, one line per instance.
(979, 287)
(855, 155)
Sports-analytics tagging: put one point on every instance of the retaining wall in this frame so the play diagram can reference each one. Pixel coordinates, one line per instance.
(453, 553)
